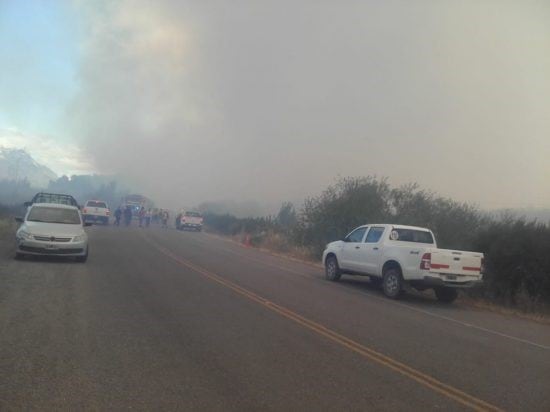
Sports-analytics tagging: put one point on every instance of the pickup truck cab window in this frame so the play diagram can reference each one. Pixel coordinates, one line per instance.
(356, 236)
(411, 235)
(374, 235)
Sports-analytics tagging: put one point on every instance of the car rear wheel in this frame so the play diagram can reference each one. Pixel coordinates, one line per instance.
(446, 295)
(332, 270)
(392, 283)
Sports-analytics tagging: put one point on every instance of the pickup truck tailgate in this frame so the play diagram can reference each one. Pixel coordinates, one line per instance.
(456, 262)
(191, 220)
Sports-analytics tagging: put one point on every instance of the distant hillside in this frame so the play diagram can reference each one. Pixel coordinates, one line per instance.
(17, 164)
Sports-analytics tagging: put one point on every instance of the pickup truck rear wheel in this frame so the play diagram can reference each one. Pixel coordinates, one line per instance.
(332, 270)
(392, 283)
(446, 295)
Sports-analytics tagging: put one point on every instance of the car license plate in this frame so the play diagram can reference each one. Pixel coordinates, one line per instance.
(451, 277)
(51, 247)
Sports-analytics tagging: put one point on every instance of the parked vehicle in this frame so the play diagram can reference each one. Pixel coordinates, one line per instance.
(136, 202)
(96, 211)
(52, 229)
(189, 220)
(397, 255)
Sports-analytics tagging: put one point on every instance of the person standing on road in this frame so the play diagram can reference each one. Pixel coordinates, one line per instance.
(165, 217)
(148, 216)
(118, 215)
(128, 215)
(141, 216)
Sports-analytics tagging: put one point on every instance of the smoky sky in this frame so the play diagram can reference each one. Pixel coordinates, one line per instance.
(274, 100)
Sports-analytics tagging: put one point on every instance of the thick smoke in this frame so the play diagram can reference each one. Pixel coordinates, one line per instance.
(273, 100)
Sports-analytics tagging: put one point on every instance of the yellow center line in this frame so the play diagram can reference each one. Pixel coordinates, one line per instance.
(395, 365)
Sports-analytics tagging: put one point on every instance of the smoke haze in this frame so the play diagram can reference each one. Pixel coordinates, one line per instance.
(272, 101)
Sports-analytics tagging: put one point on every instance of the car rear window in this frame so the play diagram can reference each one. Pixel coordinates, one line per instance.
(93, 203)
(54, 215)
(54, 198)
(411, 235)
(192, 214)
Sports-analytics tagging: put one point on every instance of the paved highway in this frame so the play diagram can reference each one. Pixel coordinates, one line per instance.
(166, 320)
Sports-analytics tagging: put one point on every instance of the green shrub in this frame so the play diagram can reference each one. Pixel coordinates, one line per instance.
(517, 260)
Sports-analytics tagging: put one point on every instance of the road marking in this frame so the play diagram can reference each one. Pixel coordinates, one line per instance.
(465, 324)
(391, 302)
(375, 356)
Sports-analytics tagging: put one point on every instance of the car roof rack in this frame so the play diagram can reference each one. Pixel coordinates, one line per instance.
(58, 198)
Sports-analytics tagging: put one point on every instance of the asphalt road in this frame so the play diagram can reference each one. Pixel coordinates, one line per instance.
(166, 320)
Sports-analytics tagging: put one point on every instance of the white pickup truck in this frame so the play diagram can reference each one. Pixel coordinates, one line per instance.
(189, 220)
(95, 211)
(395, 255)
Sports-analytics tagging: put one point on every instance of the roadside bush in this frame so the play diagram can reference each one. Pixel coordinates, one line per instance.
(517, 260)
(231, 225)
(224, 224)
(343, 206)
(454, 224)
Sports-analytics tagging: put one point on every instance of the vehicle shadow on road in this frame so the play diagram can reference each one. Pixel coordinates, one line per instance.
(410, 296)
(49, 259)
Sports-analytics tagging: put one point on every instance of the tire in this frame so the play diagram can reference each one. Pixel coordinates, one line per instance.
(82, 259)
(392, 283)
(446, 295)
(332, 270)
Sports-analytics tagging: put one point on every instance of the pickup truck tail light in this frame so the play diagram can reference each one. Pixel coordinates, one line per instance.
(482, 270)
(426, 262)
(84, 211)
(108, 212)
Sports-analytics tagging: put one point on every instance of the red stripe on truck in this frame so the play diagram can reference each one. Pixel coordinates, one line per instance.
(472, 268)
(439, 266)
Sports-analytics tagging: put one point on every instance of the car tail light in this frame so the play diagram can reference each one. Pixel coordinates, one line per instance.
(426, 262)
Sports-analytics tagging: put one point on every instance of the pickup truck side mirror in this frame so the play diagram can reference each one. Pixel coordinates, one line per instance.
(87, 224)
(19, 219)
(27, 204)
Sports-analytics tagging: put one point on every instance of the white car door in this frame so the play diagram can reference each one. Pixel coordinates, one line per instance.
(353, 248)
(372, 250)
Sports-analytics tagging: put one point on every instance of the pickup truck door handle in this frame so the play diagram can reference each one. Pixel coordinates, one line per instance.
(357, 247)
(374, 248)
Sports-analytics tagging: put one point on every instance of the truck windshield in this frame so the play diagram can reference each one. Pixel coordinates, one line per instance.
(411, 235)
(54, 215)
